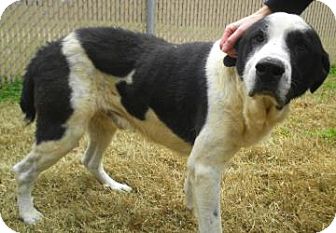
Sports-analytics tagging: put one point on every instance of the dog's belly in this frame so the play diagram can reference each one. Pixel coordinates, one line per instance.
(109, 102)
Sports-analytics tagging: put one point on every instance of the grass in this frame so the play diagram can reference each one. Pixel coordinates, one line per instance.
(10, 92)
(285, 184)
(333, 70)
(325, 133)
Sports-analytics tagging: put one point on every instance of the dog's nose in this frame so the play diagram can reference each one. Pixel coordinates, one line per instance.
(270, 68)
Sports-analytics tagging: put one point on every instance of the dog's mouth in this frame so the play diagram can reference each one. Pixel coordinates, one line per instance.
(270, 94)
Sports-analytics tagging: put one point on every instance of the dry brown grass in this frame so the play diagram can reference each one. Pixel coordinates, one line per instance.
(286, 184)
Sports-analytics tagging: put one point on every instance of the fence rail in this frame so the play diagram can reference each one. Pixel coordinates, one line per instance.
(28, 24)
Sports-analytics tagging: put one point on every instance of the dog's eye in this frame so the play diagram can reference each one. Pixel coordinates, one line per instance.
(259, 38)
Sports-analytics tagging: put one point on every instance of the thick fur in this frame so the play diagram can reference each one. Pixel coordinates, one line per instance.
(98, 80)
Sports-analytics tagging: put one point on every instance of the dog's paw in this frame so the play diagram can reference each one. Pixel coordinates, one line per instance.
(31, 217)
(125, 188)
(118, 187)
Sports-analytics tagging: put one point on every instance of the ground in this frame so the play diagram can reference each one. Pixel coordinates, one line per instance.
(285, 184)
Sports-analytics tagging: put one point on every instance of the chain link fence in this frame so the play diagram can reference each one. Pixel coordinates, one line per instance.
(28, 24)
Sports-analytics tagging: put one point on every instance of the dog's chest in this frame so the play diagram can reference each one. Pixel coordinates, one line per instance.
(241, 121)
(256, 121)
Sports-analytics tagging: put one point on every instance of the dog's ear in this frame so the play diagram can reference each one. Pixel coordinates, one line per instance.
(322, 73)
(231, 61)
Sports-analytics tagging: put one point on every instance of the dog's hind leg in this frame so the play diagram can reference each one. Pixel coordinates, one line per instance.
(43, 155)
(101, 131)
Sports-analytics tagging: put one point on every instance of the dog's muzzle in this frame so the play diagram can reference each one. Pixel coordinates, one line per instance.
(269, 72)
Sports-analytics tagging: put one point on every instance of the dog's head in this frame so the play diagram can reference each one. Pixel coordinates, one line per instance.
(281, 56)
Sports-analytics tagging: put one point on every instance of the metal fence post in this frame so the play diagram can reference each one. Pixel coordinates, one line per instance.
(150, 24)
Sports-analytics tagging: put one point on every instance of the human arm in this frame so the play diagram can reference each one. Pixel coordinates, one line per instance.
(236, 29)
(289, 6)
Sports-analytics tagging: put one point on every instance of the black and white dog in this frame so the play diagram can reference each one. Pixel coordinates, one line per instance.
(98, 80)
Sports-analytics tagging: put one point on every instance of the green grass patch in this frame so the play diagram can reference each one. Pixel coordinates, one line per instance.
(324, 133)
(327, 90)
(10, 91)
(329, 133)
(330, 83)
(333, 70)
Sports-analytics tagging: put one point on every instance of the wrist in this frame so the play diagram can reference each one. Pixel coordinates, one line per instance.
(264, 11)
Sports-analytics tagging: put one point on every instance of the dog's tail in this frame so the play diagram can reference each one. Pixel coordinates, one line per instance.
(27, 102)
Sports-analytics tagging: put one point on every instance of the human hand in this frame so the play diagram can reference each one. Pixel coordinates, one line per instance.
(235, 30)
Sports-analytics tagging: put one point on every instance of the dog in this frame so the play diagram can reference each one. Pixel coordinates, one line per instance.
(98, 80)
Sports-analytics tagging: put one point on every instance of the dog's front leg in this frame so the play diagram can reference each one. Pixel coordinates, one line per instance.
(206, 197)
(205, 166)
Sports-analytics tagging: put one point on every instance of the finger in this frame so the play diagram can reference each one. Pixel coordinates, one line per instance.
(231, 41)
(229, 30)
(232, 53)
(227, 33)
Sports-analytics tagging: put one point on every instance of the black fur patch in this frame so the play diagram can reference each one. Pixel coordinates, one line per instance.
(310, 63)
(215, 213)
(169, 79)
(47, 84)
(115, 51)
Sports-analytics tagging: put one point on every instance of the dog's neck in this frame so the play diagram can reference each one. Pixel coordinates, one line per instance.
(260, 115)
(257, 115)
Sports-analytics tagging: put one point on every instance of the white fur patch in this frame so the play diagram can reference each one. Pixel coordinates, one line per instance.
(81, 72)
(129, 77)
